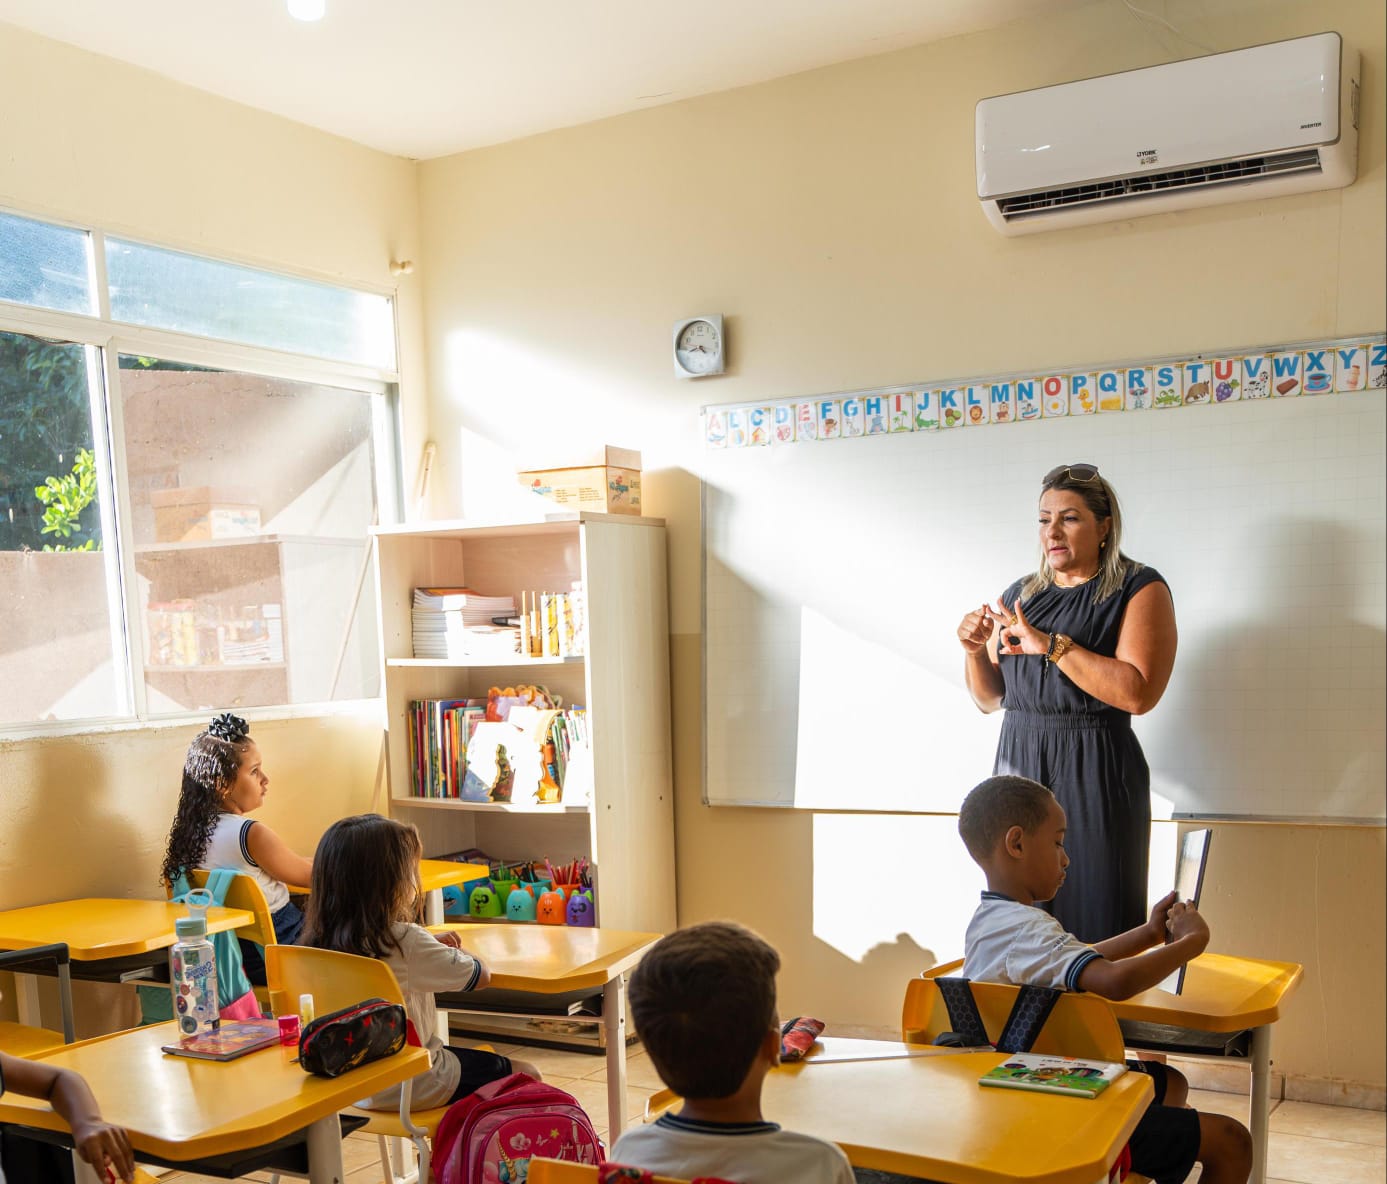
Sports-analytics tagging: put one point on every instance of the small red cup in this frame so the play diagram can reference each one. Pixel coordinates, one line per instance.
(288, 1030)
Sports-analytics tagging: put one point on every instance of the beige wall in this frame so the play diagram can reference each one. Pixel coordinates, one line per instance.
(831, 218)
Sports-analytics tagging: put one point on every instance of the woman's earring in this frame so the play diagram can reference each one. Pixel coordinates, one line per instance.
(1103, 544)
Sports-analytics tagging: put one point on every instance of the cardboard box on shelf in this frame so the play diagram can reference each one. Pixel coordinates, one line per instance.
(198, 513)
(608, 481)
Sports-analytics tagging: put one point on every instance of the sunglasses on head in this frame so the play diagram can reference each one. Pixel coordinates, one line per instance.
(1071, 473)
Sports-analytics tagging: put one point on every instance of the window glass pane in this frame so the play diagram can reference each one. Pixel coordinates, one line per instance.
(57, 657)
(44, 265)
(169, 290)
(251, 499)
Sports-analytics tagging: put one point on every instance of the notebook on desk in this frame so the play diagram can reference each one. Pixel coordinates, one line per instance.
(1189, 882)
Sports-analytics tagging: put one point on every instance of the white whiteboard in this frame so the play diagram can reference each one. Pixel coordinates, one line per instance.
(836, 572)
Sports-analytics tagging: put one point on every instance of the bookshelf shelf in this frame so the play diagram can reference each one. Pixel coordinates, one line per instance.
(490, 807)
(491, 663)
(626, 828)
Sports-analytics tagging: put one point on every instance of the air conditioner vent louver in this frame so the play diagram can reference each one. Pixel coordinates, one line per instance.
(1145, 184)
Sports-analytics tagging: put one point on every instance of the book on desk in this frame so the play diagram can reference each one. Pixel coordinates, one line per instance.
(1054, 1075)
(228, 1042)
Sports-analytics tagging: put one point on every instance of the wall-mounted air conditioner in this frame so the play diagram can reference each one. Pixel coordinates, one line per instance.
(1259, 122)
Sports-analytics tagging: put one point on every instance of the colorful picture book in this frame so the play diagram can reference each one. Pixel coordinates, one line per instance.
(233, 1039)
(1054, 1075)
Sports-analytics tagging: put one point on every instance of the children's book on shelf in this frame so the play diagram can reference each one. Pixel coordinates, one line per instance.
(231, 1040)
(1054, 1075)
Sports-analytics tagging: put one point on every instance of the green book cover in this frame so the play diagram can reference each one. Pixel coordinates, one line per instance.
(1053, 1075)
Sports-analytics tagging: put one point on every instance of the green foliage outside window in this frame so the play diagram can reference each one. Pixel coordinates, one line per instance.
(45, 421)
(64, 498)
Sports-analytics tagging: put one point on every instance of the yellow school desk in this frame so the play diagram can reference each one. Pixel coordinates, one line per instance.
(929, 1117)
(98, 931)
(183, 1109)
(1223, 993)
(553, 959)
(434, 876)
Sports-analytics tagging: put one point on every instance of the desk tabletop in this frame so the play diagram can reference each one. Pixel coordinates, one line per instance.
(433, 874)
(551, 959)
(95, 929)
(929, 1117)
(1223, 993)
(181, 1108)
(439, 873)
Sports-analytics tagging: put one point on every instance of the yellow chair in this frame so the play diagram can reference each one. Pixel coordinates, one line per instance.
(340, 980)
(1079, 1025)
(24, 1040)
(944, 969)
(557, 1171)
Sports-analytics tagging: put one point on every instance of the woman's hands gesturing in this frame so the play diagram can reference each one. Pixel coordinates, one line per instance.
(1019, 636)
(975, 630)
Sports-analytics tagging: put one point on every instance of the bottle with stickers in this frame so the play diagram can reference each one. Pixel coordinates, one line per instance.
(193, 979)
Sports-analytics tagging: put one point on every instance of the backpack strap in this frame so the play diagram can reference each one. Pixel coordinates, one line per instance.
(965, 1023)
(1027, 1016)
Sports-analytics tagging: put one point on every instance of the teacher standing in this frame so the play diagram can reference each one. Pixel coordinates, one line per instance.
(1072, 652)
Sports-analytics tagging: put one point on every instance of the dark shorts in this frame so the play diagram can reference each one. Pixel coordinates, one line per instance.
(1166, 1141)
(477, 1069)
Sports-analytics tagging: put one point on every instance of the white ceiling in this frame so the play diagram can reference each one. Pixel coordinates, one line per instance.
(425, 78)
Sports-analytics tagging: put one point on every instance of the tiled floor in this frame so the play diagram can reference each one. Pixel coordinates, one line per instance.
(1309, 1144)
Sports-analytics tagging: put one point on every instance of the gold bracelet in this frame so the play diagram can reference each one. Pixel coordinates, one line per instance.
(1060, 644)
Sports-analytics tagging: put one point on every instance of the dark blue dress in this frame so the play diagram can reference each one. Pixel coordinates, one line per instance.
(1086, 752)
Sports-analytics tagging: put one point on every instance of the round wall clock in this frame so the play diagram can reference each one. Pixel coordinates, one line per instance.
(699, 347)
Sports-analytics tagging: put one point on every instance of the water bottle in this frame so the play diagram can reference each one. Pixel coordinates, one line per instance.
(193, 979)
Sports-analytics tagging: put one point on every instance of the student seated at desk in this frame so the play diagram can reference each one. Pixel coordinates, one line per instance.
(1014, 829)
(224, 779)
(366, 901)
(97, 1141)
(703, 1000)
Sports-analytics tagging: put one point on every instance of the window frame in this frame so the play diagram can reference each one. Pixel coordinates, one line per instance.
(107, 340)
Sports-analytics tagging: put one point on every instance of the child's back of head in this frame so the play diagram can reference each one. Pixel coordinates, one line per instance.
(365, 881)
(703, 999)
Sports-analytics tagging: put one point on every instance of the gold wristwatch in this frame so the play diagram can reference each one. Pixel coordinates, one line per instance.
(1060, 644)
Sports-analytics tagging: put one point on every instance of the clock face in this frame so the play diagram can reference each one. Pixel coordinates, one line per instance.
(699, 347)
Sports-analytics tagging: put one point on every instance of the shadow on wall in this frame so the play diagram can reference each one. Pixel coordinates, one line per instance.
(1282, 714)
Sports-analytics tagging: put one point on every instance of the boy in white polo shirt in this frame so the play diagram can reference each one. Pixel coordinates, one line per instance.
(703, 1000)
(1014, 829)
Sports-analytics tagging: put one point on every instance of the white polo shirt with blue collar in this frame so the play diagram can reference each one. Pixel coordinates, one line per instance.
(1020, 944)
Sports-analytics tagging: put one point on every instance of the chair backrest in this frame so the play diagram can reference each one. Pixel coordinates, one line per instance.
(1079, 1026)
(334, 980)
(944, 969)
(244, 893)
(556, 1171)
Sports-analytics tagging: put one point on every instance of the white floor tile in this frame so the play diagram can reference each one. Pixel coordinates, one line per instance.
(1331, 1122)
(1306, 1159)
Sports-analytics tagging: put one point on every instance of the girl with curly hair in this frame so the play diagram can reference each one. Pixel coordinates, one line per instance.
(223, 781)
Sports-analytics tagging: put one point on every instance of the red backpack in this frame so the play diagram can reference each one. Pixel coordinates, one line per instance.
(488, 1136)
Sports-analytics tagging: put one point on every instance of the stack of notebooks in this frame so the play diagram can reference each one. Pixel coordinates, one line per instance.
(454, 623)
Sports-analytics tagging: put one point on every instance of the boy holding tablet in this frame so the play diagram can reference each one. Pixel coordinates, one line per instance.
(1014, 829)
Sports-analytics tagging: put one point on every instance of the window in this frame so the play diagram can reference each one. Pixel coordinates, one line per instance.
(184, 524)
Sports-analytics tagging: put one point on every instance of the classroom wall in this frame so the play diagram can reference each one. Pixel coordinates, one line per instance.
(830, 217)
(92, 141)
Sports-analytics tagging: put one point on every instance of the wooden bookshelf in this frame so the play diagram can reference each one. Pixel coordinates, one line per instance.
(626, 831)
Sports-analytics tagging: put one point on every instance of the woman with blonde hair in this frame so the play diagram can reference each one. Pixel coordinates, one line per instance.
(1073, 651)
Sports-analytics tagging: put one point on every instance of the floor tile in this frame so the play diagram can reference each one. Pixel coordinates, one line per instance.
(1217, 1102)
(560, 1062)
(1308, 1160)
(640, 1070)
(1331, 1122)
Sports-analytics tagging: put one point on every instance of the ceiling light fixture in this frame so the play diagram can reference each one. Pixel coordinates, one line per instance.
(307, 10)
